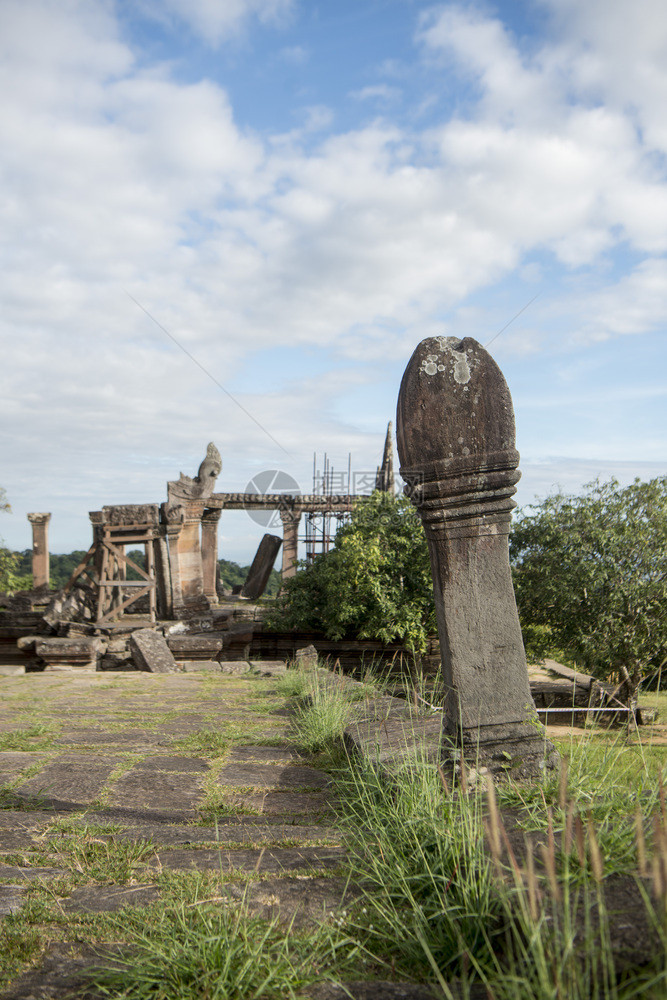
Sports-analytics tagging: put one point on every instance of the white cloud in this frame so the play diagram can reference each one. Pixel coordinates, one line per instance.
(380, 92)
(118, 176)
(217, 20)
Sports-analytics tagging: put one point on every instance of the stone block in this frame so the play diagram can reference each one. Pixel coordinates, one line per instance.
(194, 647)
(306, 657)
(150, 652)
(77, 653)
(262, 564)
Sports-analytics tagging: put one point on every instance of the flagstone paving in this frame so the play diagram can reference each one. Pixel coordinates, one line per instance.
(195, 771)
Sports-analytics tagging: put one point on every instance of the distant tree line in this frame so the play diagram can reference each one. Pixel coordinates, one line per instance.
(18, 573)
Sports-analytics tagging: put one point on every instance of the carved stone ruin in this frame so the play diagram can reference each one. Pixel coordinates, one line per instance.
(384, 479)
(40, 549)
(150, 652)
(260, 569)
(456, 443)
(186, 488)
(290, 520)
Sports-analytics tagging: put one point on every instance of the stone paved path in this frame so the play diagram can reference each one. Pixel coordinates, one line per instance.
(193, 772)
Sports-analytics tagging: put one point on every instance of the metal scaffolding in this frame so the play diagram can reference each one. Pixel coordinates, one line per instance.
(321, 526)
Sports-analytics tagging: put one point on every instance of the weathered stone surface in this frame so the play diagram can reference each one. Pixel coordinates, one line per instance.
(270, 859)
(458, 458)
(306, 656)
(108, 898)
(187, 765)
(272, 776)
(242, 830)
(13, 762)
(384, 990)
(397, 740)
(300, 902)
(200, 666)
(146, 790)
(194, 647)
(290, 520)
(280, 803)
(61, 973)
(202, 485)
(77, 653)
(12, 898)
(29, 873)
(269, 668)
(68, 781)
(264, 755)
(11, 670)
(40, 549)
(234, 667)
(260, 569)
(150, 652)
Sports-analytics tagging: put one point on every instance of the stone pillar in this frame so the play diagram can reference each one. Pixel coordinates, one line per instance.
(209, 551)
(185, 562)
(456, 443)
(290, 519)
(261, 566)
(174, 515)
(40, 549)
(165, 607)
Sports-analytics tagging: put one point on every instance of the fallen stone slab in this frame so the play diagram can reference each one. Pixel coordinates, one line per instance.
(399, 739)
(151, 653)
(273, 776)
(109, 898)
(273, 859)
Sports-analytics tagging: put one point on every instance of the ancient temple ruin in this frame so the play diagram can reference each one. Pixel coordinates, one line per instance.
(179, 537)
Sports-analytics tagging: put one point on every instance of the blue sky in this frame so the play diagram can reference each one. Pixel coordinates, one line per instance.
(300, 191)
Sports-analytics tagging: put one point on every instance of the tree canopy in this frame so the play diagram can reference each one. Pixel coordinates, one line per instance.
(593, 569)
(375, 583)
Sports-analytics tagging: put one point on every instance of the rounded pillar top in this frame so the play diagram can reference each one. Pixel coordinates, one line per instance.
(454, 413)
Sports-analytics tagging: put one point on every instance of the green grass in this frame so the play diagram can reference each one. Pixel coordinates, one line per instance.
(90, 853)
(39, 736)
(222, 953)
(450, 907)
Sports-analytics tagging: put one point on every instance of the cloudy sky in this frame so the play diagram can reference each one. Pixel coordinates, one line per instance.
(299, 191)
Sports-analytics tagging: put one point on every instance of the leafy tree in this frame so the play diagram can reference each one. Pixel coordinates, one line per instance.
(593, 570)
(233, 575)
(375, 583)
(10, 573)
